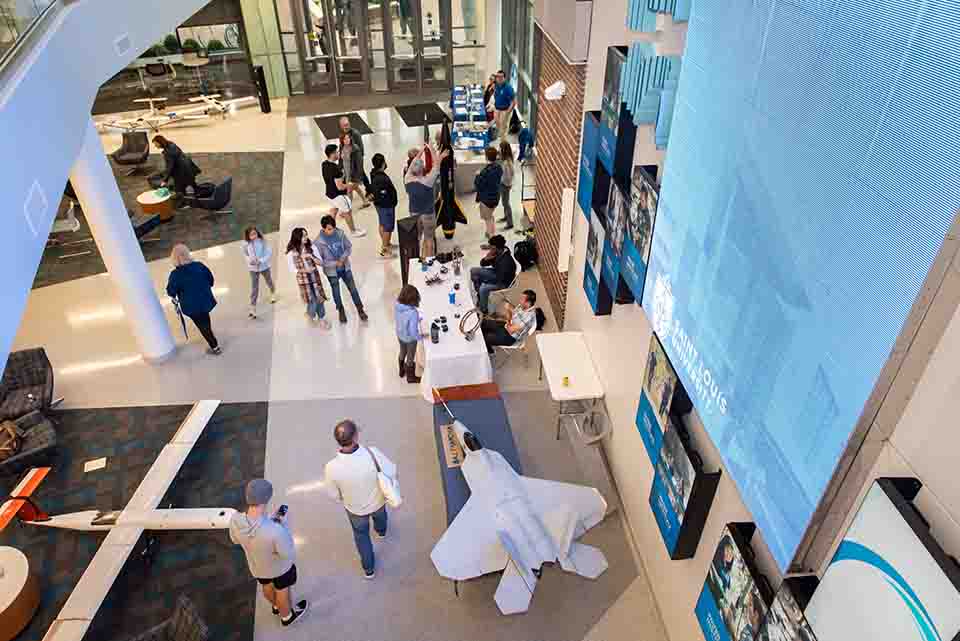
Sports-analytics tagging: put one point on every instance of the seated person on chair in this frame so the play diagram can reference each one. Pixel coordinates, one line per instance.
(180, 172)
(521, 319)
(497, 271)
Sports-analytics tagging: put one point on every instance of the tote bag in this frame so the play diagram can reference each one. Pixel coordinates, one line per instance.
(389, 486)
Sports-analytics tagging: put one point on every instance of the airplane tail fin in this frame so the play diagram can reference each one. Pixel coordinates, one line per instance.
(19, 504)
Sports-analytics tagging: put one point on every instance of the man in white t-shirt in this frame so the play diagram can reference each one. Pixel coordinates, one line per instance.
(351, 479)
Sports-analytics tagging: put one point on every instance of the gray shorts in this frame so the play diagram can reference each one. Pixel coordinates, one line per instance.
(427, 224)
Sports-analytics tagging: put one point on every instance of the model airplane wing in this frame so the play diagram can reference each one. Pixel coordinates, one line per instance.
(470, 547)
(74, 619)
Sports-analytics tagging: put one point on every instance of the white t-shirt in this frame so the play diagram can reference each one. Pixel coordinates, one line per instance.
(351, 479)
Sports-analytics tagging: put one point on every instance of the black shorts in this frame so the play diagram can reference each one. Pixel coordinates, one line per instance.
(283, 581)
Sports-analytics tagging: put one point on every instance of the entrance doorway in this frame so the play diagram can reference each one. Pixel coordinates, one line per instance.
(356, 47)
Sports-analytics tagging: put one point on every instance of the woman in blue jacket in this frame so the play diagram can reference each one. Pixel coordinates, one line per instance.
(191, 283)
(487, 183)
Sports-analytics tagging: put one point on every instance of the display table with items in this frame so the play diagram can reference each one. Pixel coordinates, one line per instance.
(571, 376)
(469, 142)
(450, 360)
(466, 103)
(19, 593)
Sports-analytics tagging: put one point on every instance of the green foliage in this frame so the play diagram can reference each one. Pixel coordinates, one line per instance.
(155, 51)
(215, 45)
(191, 45)
(171, 44)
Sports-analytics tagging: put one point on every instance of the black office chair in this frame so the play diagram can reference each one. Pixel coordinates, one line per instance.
(215, 202)
(134, 151)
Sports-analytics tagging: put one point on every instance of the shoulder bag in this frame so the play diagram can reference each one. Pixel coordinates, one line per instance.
(389, 486)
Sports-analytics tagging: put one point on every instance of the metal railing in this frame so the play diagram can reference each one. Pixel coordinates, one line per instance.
(20, 24)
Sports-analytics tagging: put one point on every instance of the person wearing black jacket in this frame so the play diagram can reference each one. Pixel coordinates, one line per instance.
(384, 196)
(180, 171)
(497, 271)
(487, 184)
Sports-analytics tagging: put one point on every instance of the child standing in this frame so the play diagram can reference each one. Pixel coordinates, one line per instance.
(408, 330)
(258, 254)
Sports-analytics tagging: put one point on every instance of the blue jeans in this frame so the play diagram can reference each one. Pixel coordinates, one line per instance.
(361, 534)
(315, 307)
(347, 278)
(484, 281)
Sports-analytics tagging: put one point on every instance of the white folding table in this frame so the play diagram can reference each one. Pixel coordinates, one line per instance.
(454, 360)
(571, 376)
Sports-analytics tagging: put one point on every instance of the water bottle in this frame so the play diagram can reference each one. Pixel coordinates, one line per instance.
(453, 297)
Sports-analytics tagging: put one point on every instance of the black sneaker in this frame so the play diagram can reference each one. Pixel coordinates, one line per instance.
(296, 614)
(363, 315)
(301, 605)
(343, 315)
(369, 575)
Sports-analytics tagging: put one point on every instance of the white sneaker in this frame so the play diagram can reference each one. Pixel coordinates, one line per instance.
(358, 233)
(253, 312)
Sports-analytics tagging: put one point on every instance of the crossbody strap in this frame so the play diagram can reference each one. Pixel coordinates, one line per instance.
(375, 463)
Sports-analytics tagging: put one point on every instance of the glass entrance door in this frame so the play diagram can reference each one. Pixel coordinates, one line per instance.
(318, 75)
(435, 38)
(418, 45)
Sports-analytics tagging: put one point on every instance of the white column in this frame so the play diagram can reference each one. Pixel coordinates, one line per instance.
(105, 212)
(493, 34)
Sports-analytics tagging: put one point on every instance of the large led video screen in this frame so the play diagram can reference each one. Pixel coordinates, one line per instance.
(804, 199)
(731, 606)
(885, 565)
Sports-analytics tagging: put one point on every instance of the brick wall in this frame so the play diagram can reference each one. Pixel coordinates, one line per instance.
(558, 160)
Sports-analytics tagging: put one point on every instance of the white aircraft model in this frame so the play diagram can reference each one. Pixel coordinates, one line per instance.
(516, 524)
(157, 117)
(125, 526)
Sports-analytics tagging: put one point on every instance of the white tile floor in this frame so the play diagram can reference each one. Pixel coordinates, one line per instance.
(282, 358)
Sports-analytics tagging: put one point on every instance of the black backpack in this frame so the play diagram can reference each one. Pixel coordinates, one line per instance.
(525, 251)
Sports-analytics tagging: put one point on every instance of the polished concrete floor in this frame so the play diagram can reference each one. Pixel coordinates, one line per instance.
(310, 378)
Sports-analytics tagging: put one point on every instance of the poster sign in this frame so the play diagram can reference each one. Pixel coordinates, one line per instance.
(639, 233)
(674, 476)
(588, 162)
(617, 215)
(597, 294)
(659, 384)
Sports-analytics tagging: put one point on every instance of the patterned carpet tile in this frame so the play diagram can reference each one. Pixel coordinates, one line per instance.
(257, 181)
(203, 565)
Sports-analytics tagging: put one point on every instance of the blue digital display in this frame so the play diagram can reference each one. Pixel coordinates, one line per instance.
(807, 190)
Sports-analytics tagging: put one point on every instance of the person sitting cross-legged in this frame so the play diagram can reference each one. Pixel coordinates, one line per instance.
(520, 320)
(497, 271)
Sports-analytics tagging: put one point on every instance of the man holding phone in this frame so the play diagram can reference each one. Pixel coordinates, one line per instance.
(268, 546)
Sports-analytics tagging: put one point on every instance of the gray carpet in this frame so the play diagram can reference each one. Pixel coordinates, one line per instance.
(408, 600)
(318, 105)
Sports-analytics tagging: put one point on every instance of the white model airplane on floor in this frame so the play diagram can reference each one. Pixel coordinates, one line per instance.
(516, 524)
(158, 116)
(125, 526)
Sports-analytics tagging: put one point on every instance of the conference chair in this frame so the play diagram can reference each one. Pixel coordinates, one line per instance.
(159, 74)
(215, 202)
(509, 350)
(134, 151)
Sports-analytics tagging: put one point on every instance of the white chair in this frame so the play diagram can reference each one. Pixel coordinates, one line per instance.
(509, 350)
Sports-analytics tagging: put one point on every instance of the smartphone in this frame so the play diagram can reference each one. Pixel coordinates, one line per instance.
(281, 512)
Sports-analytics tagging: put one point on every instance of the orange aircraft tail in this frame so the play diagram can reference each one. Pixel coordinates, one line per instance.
(19, 503)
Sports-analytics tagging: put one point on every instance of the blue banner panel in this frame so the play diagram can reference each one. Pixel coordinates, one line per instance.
(662, 505)
(708, 615)
(649, 426)
(610, 272)
(632, 268)
(588, 162)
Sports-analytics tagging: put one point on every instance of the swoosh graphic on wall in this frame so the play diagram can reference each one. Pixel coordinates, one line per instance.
(851, 551)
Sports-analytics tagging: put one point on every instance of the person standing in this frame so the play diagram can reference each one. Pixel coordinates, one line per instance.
(520, 320)
(488, 97)
(506, 183)
(270, 552)
(497, 271)
(334, 249)
(304, 262)
(408, 330)
(191, 284)
(419, 183)
(384, 196)
(180, 171)
(258, 254)
(351, 159)
(487, 183)
(351, 479)
(504, 102)
(338, 191)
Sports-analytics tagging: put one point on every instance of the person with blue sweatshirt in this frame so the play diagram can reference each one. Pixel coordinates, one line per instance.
(408, 330)
(335, 249)
(191, 284)
(258, 254)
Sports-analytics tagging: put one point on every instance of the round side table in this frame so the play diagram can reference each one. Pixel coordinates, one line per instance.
(19, 593)
(151, 202)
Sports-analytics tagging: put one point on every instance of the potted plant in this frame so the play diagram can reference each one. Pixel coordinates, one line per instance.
(171, 43)
(215, 45)
(191, 46)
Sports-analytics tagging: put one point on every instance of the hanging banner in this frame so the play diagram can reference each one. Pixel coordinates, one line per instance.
(639, 234)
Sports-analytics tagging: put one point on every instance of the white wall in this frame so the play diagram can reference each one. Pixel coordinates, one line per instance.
(45, 102)
(618, 344)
